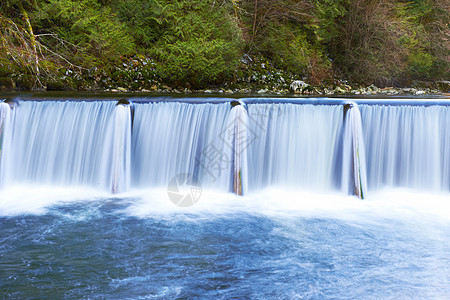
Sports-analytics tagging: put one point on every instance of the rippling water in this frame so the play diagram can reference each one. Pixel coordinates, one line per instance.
(57, 243)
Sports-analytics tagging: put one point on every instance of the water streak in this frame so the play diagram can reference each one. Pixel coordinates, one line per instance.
(180, 138)
(354, 178)
(5, 112)
(293, 146)
(407, 146)
(237, 136)
(60, 143)
(118, 165)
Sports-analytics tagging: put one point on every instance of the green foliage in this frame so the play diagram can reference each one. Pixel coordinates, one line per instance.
(286, 33)
(146, 43)
(143, 20)
(289, 48)
(94, 30)
(199, 43)
(385, 42)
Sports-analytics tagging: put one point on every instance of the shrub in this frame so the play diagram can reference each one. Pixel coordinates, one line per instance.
(284, 32)
(95, 34)
(199, 43)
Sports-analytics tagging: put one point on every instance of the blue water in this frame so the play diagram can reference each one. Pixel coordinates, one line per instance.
(133, 248)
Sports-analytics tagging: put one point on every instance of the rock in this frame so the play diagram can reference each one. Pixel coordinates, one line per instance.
(121, 89)
(409, 90)
(339, 90)
(145, 91)
(298, 86)
(262, 91)
(444, 85)
(420, 92)
(328, 91)
(207, 91)
(220, 91)
(229, 92)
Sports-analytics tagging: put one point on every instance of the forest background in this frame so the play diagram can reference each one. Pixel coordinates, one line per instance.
(198, 44)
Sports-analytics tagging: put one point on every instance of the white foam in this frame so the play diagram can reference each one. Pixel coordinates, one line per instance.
(395, 204)
(35, 200)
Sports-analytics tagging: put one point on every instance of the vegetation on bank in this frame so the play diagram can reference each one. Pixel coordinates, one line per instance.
(235, 44)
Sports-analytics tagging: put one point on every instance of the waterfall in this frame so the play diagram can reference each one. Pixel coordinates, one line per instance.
(354, 159)
(288, 145)
(5, 112)
(180, 138)
(56, 142)
(293, 145)
(237, 142)
(407, 146)
(118, 166)
(5, 120)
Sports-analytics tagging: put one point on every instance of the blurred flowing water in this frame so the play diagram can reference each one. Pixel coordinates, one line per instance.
(295, 234)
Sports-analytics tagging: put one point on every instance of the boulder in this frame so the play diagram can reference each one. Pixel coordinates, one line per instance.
(298, 86)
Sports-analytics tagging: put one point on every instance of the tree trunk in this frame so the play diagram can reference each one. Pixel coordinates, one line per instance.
(32, 37)
(255, 17)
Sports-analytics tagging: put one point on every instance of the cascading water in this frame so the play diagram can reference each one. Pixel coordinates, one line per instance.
(301, 146)
(7, 116)
(119, 152)
(236, 135)
(4, 117)
(293, 145)
(55, 142)
(354, 159)
(180, 138)
(407, 146)
(5, 112)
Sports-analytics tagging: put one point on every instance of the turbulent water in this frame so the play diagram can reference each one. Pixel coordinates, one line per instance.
(85, 210)
(274, 244)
